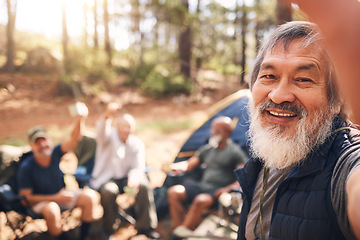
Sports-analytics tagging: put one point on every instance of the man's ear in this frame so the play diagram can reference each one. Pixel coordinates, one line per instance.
(340, 106)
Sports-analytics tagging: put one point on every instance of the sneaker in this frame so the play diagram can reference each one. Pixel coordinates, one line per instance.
(150, 233)
(183, 232)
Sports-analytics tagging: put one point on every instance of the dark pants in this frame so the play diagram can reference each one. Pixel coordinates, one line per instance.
(145, 211)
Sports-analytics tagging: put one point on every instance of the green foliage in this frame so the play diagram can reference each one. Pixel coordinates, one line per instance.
(160, 82)
(138, 73)
(223, 68)
(68, 85)
(177, 14)
(90, 63)
(232, 69)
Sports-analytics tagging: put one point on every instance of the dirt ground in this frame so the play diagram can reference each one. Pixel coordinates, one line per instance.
(29, 100)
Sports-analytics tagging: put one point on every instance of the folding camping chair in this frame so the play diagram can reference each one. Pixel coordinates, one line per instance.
(229, 209)
(18, 217)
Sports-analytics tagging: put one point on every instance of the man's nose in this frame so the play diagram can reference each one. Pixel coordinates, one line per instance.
(43, 143)
(282, 92)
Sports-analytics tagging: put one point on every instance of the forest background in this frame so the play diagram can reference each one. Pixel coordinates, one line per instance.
(166, 61)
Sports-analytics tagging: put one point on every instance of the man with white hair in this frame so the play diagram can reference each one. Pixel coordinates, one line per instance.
(120, 163)
(217, 160)
(301, 181)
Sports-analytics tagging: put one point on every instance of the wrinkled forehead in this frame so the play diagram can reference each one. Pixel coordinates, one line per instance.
(304, 57)
(299, 46)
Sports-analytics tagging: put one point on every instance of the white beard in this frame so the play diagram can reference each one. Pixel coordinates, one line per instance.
(45, 152)
(214, 141)
(278, 151)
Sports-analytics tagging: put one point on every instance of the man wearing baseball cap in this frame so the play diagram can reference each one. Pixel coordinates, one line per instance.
(41, 181)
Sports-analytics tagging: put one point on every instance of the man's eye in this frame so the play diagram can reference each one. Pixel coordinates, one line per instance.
(268, 76)
(304, 80)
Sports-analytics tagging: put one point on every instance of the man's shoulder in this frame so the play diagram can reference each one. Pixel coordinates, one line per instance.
(234, 146)
(57, 149)
(347, 150)
(27, 162)
(354, 134)
(350, 140)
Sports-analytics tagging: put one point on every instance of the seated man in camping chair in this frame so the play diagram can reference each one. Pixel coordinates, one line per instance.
(120, 165)
(41, 181)
(218, 159)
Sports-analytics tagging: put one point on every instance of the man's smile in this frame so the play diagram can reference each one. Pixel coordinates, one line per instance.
(281, 114)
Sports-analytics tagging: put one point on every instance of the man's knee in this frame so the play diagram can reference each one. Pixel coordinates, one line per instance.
(88, 197)
(203, 200)
(109, 191)
(52, 214)
(176, 192)
(51, 210)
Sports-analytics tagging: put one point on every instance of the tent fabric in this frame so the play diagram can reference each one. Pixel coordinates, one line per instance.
(233, 106)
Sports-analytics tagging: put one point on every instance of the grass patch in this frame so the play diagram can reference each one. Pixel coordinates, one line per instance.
(14, 142)
(165, 125)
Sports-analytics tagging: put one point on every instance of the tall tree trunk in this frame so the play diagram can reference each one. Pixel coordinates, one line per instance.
(258, 36)
(107, 35)
(65, 39)
(199, 59)
(185, 43)
(156, 33)
(243, 41)
(158, 16)
(85, 10)
(283, 12)
(235, 36)
(10, 55)
(136, 16)
(96, 36)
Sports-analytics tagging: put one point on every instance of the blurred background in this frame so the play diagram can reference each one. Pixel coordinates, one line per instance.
(166, 61)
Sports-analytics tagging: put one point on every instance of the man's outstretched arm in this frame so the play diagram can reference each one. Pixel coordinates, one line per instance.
(339, 22)
(353, 199)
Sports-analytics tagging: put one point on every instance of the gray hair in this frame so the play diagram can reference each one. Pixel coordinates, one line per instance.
(310, 35)
(129, 119)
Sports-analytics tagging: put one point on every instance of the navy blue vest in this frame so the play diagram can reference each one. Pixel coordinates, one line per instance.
(302, 208)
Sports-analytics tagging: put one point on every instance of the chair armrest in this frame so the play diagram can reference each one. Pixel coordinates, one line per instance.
(7, 194)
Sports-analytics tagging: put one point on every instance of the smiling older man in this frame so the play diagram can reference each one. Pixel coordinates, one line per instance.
(41, 182)
(305, 154)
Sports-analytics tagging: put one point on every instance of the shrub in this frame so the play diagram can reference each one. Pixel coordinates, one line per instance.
(138, 74)
(159, 82)
(90, 63)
